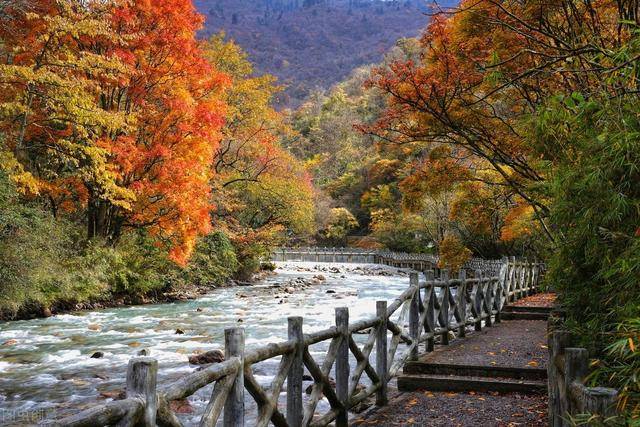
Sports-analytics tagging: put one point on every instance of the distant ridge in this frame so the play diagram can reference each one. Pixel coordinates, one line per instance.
(311, 44)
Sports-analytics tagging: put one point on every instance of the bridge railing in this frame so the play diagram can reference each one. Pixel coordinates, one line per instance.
(430, 311)
(418, 262)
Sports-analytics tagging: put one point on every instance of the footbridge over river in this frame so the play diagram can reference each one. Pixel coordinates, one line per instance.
(418, 262)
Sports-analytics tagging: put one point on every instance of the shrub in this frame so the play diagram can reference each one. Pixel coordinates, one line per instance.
(339, 224)
(213, 262)
(596, 215)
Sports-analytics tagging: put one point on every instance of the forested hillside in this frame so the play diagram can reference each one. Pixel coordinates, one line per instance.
(310, 44)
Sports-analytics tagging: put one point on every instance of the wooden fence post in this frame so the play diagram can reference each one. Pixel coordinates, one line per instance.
(430, 320)
(142, 377)
(557, 342)
(444, 307)
(477, 301)
(576, 365)
(414, 315)
(234, 407)
(381, 352)
(294, 379)
(501, 288)
(462, 302)
(342, 365)
(511, 292)
(489, 301)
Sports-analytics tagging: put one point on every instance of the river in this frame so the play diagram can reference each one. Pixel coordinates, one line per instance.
(46, 369)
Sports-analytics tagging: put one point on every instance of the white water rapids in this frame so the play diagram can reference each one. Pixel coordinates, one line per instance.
(46, 370)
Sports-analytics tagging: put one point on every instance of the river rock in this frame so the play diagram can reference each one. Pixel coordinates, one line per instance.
(97, 355)
(46, 312)
(320, 277)
(332, 383)
(113, 394)
(10, 342)
(93, 327)
(179, 331)
(181, 406)
(144, 352)
(212, 356)
(331, 291)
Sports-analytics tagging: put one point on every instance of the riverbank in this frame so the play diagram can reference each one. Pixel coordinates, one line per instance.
(191, 292)
(188, 292)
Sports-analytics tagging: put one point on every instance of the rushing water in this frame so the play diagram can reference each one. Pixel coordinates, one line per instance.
(46, 369)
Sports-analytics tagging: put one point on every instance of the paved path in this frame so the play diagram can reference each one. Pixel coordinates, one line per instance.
(515, 343)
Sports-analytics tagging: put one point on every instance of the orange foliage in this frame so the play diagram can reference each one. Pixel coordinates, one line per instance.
(112, 108)
(517, 222)
(453, 253)
(175, 95)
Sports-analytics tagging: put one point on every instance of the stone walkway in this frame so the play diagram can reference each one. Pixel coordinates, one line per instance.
(514, 343)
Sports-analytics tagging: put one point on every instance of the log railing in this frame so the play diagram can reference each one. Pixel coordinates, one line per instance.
(432, 311)
(569, 397)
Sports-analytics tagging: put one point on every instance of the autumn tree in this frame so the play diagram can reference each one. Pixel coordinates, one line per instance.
(174, 96)
(482, 70)
(50, 112)
(110, 108)
(339, 223)
(260, 192)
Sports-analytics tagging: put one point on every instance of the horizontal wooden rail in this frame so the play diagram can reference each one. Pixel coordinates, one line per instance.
(432, 310)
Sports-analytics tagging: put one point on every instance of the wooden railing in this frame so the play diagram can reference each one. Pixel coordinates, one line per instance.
(569, 398)
(434, 310)
(418, 262)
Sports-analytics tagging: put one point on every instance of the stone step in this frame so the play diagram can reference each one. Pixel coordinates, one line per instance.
(525, 309)
(523, 315)
(464, 384)
(424, 368)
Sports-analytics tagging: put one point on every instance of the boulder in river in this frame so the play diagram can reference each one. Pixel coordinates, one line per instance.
(113, 394)
(331, 291)
(10, 342)
(97, 355)
(212, 356)
(144, 352)
(181, 406)
(179, 331)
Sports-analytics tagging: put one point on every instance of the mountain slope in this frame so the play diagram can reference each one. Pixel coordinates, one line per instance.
(311, 44)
